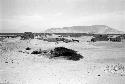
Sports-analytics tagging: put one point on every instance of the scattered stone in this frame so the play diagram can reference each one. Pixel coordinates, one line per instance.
(6, 62)
(116, 69)
(12, 61)
(99, 75)
(28, 48)
(37, 52)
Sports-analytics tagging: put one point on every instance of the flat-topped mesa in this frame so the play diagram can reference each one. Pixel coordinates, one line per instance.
(94, 29)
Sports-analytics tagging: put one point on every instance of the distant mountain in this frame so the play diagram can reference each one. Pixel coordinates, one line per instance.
(95, 29)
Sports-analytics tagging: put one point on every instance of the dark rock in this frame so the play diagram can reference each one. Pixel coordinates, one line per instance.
(65, 53)
(6, 62)
(99, 75)
(37, 52)
(60, 52)
(28, 48)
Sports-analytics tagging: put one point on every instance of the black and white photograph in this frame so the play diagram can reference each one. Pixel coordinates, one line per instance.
(62, 41)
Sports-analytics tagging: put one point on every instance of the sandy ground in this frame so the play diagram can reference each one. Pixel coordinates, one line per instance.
(100, 64)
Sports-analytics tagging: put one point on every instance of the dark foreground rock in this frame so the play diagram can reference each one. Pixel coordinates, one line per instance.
(60, 52)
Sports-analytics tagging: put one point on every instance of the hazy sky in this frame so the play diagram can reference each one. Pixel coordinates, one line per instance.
(38, 15)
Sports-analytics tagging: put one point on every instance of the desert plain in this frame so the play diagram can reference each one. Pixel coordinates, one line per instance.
(103, 62)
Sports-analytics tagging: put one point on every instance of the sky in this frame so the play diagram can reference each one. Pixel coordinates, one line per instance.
(39, 15)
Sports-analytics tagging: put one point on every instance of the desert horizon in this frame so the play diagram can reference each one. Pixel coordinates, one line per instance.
(62, 42)
(62, 58)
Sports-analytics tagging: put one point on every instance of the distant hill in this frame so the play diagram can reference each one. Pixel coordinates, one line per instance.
(95, 29)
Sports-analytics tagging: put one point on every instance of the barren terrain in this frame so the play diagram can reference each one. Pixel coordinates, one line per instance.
(103, 63)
